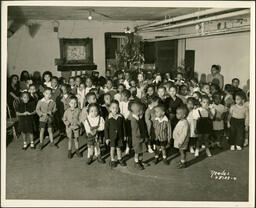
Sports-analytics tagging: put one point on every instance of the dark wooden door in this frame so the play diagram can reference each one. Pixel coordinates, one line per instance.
(166, 56)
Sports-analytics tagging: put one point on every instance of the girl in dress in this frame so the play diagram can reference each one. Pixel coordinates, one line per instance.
(93, 124)
(204, 126)
(26, 112)
(181, 134)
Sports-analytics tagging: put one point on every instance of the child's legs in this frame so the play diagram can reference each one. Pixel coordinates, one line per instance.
(69, 143)
(163, 148)
(240, 133)
(42, 134)
(50, 134)
(140, 156)
(31, 137)
(76, 135)
(24, 137)
(182, 155)
(97, 149)
(199, 141)
(76, 143)
(233, 132)
(157, 151)
(112, 153)
(119, 153)
(218, 135)
(90, 150)
(136, 157)
(205, 139)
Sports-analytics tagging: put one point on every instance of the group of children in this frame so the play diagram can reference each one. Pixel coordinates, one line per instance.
(132, 113)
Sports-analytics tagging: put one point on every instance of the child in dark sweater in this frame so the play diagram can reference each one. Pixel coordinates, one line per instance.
(115, 133)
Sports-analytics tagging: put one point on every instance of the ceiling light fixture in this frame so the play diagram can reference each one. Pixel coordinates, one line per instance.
(90, 15)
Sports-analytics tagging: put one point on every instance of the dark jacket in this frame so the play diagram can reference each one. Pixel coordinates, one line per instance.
(115, 127)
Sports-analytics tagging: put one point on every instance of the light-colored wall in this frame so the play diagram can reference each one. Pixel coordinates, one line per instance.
(231, 51)
(38, 53)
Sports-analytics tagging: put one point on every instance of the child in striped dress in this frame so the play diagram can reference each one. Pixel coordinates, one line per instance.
(163, 131)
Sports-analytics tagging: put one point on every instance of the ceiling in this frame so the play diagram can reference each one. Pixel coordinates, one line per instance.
(80, 13)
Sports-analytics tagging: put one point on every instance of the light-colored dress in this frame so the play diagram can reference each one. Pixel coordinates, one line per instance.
(181, 134)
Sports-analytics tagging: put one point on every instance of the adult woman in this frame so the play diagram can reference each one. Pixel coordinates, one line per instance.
(215, 76)
(13, 93)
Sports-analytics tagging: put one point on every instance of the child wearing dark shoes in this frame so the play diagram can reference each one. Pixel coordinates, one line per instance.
(115, 134)
(163, 132)
(139, 133)
(72, 123)
(181, 134)
(93, 124)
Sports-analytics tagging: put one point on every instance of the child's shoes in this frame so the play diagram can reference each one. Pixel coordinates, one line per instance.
(122, 162)
(238, 148)
(32, 146)
(54, 145)
(138, 166)
(40, 146)
(191, 149)
(24, 146)
(208, 153)
(78, 154)
(197, 152)
(156, 160)
(246, 143)
(100, 160)
(89, 160)
(165, 161)
(232, 147)
(69, 154)
(112, 164)
(181, 165)
(150, 149)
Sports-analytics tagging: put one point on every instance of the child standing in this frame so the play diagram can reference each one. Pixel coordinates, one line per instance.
(124, 110)
(238, 122)
(191, 105)
(71, 121)
(204, 116)
(26, 111)
(115, 133)
(139, 133)
(45, 109)
(218, 122)
(171, 104)
(72, 84)
(149, 118)
(107, 99)
(150, 91)
(163, 133)
(81, 92)
(89, 85)
(181, 135)
(183, 93)
(93, 124)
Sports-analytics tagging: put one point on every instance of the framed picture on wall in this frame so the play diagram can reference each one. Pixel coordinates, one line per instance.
(76, 51)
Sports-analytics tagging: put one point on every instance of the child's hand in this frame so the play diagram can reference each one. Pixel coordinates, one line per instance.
(228, 125)
(108, 141)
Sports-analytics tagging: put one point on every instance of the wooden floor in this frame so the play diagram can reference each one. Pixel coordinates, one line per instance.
(48, 174)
